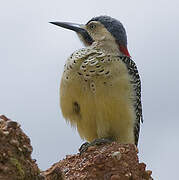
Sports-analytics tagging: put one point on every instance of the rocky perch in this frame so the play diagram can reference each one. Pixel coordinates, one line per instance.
(105, 162)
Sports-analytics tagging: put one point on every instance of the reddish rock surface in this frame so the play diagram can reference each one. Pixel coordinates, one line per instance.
(15, 153)
(106, 162)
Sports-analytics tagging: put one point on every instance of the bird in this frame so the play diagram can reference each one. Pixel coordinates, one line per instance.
(100, 89)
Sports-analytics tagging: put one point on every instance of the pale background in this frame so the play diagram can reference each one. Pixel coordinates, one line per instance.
(32, 55)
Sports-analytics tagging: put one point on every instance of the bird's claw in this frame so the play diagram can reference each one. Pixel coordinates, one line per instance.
(96, 142)
(84, 147)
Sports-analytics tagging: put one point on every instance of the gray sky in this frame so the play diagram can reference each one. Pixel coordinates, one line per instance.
(32, 54)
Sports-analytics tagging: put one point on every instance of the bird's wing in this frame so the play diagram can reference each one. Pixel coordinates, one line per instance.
(136, 82)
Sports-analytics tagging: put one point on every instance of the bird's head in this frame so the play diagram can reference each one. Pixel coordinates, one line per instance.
(107, 31)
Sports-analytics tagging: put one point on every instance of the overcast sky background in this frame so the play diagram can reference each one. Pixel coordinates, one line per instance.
(32, 55)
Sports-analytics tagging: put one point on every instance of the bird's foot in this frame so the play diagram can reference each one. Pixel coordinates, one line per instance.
(96, 142)
(84, 147)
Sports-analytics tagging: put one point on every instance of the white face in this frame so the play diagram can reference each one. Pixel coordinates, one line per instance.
(102, 36)
(98, 32)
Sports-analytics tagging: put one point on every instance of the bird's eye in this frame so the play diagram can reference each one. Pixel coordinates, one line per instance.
(92, 26)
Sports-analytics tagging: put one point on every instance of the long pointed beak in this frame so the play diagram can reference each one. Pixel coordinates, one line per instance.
(78, 28)
(72, 26)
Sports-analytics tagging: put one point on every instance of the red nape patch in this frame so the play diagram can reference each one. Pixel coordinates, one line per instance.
(124, 50)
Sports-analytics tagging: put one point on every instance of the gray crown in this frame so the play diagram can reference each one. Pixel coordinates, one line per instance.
(115, 27)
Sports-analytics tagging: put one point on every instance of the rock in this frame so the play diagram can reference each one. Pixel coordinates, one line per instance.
(15, 159)
(112, 161)
(106, 162)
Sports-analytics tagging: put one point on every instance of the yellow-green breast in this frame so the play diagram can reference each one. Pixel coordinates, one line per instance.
(96, 96)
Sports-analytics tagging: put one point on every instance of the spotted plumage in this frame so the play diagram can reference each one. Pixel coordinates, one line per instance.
(136, 82)
(100, 91)
(91, 64)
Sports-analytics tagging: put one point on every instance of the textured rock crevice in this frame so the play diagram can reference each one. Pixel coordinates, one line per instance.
(15, 153)
(106, 162)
